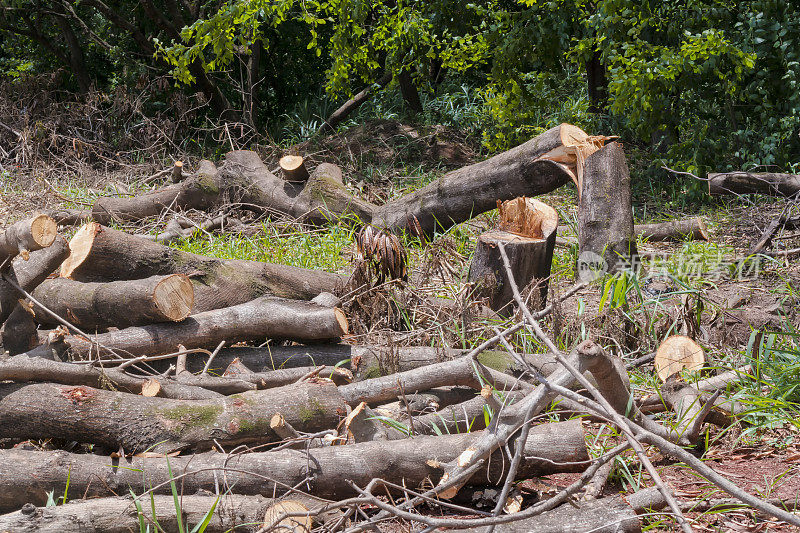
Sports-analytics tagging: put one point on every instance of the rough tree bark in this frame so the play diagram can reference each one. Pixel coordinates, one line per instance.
(19, 331)
(535, 167)
(527, 230)
(605, 218)
(138, 423)
(253, 321)
(28, 475)
(773, 184)
(99, 253)
(116, 303)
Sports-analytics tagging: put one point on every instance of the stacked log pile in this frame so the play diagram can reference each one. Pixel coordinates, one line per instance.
(145, 369)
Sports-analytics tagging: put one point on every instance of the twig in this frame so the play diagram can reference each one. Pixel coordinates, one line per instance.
(212, 356)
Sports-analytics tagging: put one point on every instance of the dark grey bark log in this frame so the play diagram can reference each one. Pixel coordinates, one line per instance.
(29, 274)
(773, 184)
(27, 235)
(254, 321)
(459, 418)
(28, 475)
(116, 303)
(29, 367)
(119, 515)
(104, 254)
(607, 515)
(19, 331)
(139, 423)
(344, 111)
(605, 218)
(529, 169)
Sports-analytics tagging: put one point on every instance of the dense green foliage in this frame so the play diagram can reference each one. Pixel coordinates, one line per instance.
(702, 84)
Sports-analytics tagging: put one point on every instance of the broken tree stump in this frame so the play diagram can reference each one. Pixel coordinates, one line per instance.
(138, 423)
(99, 253)
(254, 321)
(293, 168)
(605, 218)
(28, 475)
(772, 184)
(527, 230)
(26, 236)
(116, 303)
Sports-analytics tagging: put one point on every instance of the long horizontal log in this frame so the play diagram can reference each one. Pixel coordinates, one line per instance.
(253, 321)
(27, 235)
(99, 253)
(119, 514)
(773, 184)
(533, 168)
(29, 274)
(116, 303)
(324, 472)
(139, 423)
(694, 229)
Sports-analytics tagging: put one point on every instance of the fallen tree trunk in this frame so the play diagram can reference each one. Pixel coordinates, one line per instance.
(116, 303)
(605, 218)
(606, 515)
(119, 514)
(535, 167)
(139, 423)
(99, 253)
(344, 111)
(694, 229)
(527, 230)
(254, 321)
(772, 184)
(324, 472)
(29, 274)
(26, 236)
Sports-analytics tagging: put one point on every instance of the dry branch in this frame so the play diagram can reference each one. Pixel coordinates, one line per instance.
(116, 303)
(139, 423)
(550, 448)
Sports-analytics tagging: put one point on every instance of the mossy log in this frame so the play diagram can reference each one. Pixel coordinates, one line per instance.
(138, 423)
(325, 472)
(98, 253)
(116, 303)
(254, 321)
(536, 167)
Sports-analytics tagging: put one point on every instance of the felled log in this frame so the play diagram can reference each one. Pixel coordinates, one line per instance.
(773, 184)
(535, 167)
(694, 229)
(19, 330)
(99, 253)
(119, 514)
(139, 423)
(344, 111)
(29, 274)
(28, 367)
(606, 515)
(116, 303)
(26, 236)
(28, 475)
(527, 230)
(293, 168)
(254, 321)
(605, 218)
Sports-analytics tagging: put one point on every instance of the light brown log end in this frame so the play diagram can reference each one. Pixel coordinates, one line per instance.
(676, 353)
(293, 167)
(177, 171)
(277, 421)
(174, 297)
(527, 217)
(80, 246)
(43, 231)
(297, 524)
(702, 230)
(341, 318)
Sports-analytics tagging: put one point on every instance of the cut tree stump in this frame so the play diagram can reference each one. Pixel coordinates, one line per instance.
(138, 423)
(527, 230)
(254, 321)
(26, 236)
(293, 168)
(772, 184)
(116, 303)
(605, 218)
(532, 168)
(677, 353)
(99, 253)
(29, 274)
(28, 475)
